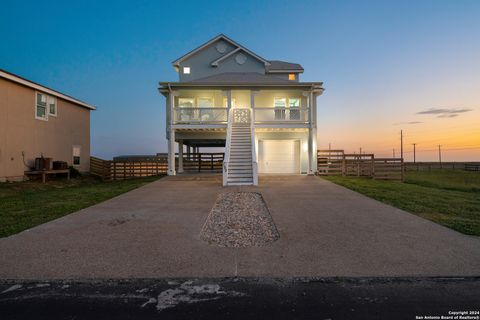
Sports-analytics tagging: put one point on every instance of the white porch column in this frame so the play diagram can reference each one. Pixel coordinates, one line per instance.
(253, 94)
(180, 156)
(314, 132)
(310, 136)
(171, 153)
(228, 95)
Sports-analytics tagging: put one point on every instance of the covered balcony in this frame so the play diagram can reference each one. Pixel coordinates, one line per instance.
(200, 107)
(204, 107)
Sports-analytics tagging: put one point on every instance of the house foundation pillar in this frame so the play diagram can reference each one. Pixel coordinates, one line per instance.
(171, 153)
(180, 156)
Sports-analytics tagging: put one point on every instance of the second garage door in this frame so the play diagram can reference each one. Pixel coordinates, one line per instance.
(279, 156)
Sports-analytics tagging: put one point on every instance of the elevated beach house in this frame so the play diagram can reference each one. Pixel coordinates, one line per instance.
(257, 109)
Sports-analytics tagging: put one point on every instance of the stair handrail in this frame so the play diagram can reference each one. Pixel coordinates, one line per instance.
(254, 155)
(226, 159)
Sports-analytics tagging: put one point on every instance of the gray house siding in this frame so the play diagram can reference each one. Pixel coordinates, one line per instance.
(200, 63)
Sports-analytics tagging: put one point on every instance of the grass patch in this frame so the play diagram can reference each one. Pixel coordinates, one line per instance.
(24, 205)
(448, 197)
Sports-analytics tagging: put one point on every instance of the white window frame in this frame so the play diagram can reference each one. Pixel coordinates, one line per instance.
(54, 99)
(79, 155)
(186, 70)
(45, 118)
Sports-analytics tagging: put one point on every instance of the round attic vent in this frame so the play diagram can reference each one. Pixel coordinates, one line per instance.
(221, 47)
(240, 58)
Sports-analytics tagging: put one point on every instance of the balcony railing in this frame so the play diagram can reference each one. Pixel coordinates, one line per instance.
(275, 115)
(200, 115)
(219, 115)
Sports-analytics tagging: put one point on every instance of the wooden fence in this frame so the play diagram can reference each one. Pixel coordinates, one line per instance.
(144, 166)
(428, 166)
(336, 162)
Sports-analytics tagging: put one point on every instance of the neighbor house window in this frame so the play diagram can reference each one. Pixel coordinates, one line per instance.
(41, 106)
(186, 70)
(291, 76)
(52, 106)
(76, 155)
(280, 104)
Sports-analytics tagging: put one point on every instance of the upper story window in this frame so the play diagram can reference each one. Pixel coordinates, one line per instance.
(280, 102)
(205, 102)
(294, 103)
(41, 106)
(52, 106)
(292, 76)
(186, 70)
(186, 102)
(45, 106)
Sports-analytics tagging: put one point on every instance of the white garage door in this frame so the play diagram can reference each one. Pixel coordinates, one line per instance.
(279, 156)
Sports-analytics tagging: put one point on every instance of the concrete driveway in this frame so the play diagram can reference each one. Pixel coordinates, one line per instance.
(325, 230)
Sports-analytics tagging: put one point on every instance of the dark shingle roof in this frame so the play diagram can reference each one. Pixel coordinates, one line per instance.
(241, 77)
(277, 65)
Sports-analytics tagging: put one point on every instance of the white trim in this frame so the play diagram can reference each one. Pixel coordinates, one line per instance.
(41, 88)
(215, 62)
(284, 71)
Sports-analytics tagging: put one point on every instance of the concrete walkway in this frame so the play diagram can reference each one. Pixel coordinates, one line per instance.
(325, 230)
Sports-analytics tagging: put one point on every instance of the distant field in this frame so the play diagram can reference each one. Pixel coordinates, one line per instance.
(24, 205)
(448, 197)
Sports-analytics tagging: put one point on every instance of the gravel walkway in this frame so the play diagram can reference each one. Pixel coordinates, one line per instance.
(239, 219)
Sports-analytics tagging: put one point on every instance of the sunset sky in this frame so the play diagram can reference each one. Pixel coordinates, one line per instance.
(386, 65)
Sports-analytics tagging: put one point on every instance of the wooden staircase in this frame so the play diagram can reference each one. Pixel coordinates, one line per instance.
(240, 167)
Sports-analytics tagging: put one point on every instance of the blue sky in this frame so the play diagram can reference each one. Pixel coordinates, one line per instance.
(381, 63)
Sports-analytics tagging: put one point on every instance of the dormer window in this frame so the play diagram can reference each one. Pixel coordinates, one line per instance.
(186, 70)
(291, 76)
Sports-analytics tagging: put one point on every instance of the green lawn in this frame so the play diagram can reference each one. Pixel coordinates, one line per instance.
(448, 197)
(26, 204)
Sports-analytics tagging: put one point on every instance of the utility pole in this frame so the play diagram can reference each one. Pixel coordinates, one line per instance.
(401, 144)
(414, 153)
(360, 150)
(440, 155)
(329, 146)
(394, 152)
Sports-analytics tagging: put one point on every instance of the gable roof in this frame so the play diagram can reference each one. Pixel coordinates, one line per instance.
(176, 63)
(25, 82)
(283, 66)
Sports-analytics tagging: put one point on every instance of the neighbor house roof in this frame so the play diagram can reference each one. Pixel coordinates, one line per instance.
(283, 66)
(176, 63)
(25, 82)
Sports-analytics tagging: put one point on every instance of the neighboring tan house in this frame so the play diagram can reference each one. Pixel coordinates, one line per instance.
(37, 121)
(228, 96)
